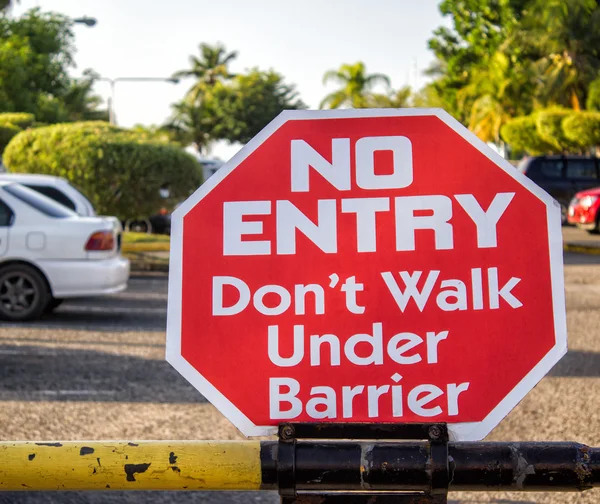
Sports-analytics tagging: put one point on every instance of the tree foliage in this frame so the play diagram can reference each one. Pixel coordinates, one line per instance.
(224, 106)
(120, 170)
(36, 53)
(505, 59)
(479, 30)
(246, 104)
(564, 36)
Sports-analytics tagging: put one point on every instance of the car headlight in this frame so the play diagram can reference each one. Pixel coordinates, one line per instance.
(588, 201)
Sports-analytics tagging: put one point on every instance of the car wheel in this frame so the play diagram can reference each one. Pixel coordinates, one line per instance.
(53, 304)
(139, 226)
(24, 293)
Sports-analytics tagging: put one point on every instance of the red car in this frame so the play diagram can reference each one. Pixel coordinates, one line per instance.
(584, 210)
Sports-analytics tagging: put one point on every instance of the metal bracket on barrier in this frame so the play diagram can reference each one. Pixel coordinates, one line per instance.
(436, 470)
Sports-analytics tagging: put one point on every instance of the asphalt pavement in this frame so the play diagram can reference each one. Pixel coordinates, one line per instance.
(95, 370)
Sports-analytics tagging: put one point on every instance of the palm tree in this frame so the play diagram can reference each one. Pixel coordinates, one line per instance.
(399, 98)
(191, 123)
(79, 101)
(209, 68)
(356, 86)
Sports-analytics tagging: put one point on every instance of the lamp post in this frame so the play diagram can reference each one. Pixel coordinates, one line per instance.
(112, 82)
(88, 21)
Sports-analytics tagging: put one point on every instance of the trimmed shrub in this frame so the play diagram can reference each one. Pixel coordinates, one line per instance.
(521, 134)
(583, 128)
(549, 128)
(7, 132)
(120, 172)
(593, 99)
(20, 119)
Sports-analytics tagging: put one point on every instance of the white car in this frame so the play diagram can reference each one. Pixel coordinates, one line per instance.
(56, 188)
(49, 253)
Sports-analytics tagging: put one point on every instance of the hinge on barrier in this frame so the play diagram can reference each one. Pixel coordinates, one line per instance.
(436, 470)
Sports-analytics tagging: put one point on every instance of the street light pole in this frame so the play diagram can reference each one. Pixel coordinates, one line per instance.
(88, 21)
(111, 101)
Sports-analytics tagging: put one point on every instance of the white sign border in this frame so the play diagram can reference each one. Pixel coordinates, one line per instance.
(465, 431)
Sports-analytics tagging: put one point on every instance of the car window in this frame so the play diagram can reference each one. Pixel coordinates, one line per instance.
(82, 194)
(53, 193)
(551, 168)
(581, 168)
(6, 215)
(38, 201)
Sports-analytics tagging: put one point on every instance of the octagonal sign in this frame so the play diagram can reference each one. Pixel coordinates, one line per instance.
(366, 266)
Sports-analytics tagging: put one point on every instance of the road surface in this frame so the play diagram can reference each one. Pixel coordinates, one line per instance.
(95, 370)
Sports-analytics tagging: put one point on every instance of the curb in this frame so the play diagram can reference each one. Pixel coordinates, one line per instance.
(581, 249)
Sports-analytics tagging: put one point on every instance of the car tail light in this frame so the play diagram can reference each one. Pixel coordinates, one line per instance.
(101, 240)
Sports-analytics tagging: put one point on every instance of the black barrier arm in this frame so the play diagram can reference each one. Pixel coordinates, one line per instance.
(410, 464)
(382, 463)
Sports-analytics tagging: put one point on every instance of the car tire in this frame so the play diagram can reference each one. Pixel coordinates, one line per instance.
(138, 226)
(24, 293)
(53, 304)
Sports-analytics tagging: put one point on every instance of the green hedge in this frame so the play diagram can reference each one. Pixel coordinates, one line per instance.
(521, 134)
(549, 128)
(20, 119)
(117, 169)
(593, 99)
(583, 128)
(7, 132)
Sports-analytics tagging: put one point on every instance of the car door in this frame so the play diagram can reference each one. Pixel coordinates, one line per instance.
(582, 174)
(6, 220)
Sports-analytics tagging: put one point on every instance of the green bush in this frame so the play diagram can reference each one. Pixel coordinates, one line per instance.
(118, 170)
(521, 134)
(549, 128)
(20, 119)
(583, 128)
(593, 99)
(7, 132)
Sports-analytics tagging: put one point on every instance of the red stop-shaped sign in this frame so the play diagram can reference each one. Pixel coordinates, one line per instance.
(366, 266)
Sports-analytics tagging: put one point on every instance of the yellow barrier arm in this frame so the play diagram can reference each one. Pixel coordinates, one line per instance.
(141, 465)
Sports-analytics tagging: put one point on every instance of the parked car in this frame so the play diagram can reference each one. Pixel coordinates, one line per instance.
(49, 253)
(584, 210)
(62, 191)
(57, 188)
(562, 176)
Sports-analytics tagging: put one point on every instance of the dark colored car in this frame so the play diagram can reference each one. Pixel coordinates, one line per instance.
(562, 176)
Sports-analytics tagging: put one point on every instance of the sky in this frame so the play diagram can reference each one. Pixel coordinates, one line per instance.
(299, 39)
